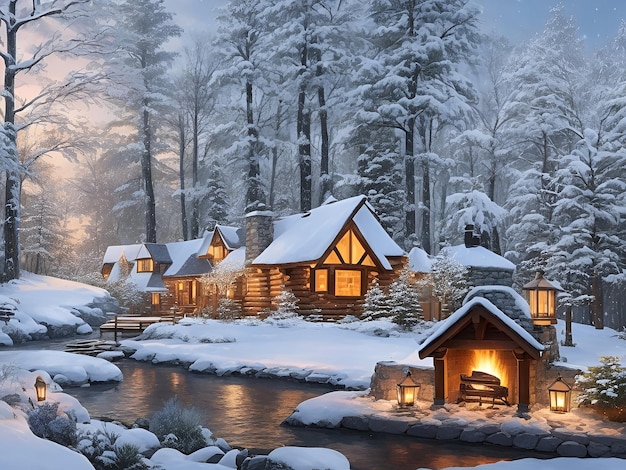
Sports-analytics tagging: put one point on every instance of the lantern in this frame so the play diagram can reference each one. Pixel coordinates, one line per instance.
(407, 391)
(40, 389)
(542, 300)
(560, 396)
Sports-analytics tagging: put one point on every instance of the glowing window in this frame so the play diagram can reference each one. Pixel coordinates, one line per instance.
(349, 250)
(145, 265)
(347, 283)
(321, 280)
(217, 253)
(156, 299)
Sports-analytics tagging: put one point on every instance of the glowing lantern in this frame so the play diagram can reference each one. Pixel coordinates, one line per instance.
(560, 396)
(407, 391)
(41, 388)
(542, 300)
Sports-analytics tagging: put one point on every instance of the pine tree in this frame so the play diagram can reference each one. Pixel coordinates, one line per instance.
(287, 305)
(375, 302)
(404, 302)
(449, 282)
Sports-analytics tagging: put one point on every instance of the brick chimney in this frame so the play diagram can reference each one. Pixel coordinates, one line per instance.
(259, 233)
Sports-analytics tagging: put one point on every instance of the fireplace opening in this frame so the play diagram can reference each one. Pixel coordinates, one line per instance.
(481, 376)
(481, 386)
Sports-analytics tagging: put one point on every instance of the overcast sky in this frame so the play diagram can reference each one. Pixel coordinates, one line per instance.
(518, 20)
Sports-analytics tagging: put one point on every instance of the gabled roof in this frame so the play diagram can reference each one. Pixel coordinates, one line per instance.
(474, 312)
(306, 237)
(157, 251)
(233, 237)
(113, 253)
(185, 261)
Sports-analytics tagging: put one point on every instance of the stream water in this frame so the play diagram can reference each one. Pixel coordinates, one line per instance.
(248, 413)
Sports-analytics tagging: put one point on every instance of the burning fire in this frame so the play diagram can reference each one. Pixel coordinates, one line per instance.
(487, 360)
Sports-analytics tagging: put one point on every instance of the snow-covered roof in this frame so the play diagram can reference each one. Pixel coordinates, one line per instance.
(157, 251)
(520, 302)
(185, 261)
(306, 237)
(113, 253)
(233, 237)
(206, 242)
(419, 261)
(234, 261)
(479, 257)
(453, 319)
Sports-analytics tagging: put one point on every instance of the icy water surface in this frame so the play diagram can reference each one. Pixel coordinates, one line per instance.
(248, 413)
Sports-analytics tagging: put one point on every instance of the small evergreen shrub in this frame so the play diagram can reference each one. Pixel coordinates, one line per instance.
(127, 457)
(46, 422)
(228, 309)
(178, 428)
(604, 386)
(287, 307)
(375, 303)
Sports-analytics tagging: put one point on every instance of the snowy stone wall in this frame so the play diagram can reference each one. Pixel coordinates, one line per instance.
(259, 233)
(490, 276)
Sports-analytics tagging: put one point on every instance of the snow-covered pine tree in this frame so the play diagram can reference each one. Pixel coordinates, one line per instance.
(414, 84)
(449, 282)
(287, 305)
(380, 172)
(375, 302)
(41, 233)
(404, 301)
(473, 207)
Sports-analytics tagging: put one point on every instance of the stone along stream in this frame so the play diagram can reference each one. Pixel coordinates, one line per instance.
(248, 413)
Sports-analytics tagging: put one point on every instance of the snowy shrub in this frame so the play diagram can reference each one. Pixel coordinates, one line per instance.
(287, 305)
(46, 422)
(228, 309)
(99, 448)
(178, 428)
(127, 457)
(604, 385)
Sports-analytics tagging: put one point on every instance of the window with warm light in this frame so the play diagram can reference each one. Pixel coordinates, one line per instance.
(217, 252)
(347, 283)
(156, 299)
(349, 250)
(321, 280)
(145, 265)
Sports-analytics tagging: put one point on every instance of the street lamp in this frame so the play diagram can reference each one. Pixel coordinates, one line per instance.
(407, 391)
(560, 396)
(542, 300)
(40, 389)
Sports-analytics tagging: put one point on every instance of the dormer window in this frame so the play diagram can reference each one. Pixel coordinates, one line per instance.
(145, 265)
(217, 252)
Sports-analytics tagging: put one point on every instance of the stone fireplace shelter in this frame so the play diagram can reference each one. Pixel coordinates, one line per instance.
(481, 326)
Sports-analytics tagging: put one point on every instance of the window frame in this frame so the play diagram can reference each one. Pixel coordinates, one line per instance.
(141, 265)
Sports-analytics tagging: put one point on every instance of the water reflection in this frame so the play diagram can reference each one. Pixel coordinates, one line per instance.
(249, 412)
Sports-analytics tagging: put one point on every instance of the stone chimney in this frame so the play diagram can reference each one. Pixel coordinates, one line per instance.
(259, 233)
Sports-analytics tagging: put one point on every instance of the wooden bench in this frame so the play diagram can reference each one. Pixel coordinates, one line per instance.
(6, 313)
(132, 324)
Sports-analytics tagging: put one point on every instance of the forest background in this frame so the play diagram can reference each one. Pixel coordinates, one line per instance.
(420, 105)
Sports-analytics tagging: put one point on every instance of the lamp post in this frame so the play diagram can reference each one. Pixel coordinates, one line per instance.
(542, 300)
(407, 391)
(560, 396)
(40, 389)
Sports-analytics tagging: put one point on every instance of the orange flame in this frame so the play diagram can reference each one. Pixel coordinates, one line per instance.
(487, 360)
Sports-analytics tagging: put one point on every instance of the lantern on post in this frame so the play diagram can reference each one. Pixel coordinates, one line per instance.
(40, 389)
(560, 396)
(542, 300)
(407, 391)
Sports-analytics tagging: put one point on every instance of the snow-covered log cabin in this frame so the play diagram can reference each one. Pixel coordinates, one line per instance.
(327, 257)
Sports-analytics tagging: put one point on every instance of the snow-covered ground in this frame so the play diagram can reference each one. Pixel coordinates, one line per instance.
(343, 353)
